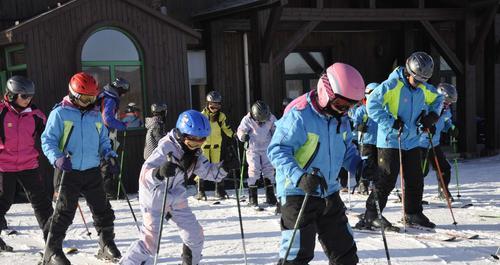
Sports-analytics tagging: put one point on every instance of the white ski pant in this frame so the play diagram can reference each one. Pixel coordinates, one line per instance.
(259, 163)
(191, 232)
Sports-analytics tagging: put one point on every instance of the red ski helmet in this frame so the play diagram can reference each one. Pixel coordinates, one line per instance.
(84, 84)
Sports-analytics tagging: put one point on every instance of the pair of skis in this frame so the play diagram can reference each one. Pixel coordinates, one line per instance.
(425, 233)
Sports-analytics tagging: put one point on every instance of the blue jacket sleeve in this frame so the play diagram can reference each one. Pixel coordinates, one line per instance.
(351, 156)
(104, 142)
(289, 136)
(358, 116)
(375, 106)
(437, 104)
(51, 136)
(448, 123)
(108, 116)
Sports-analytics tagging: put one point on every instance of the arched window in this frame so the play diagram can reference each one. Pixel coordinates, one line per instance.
(109, 53)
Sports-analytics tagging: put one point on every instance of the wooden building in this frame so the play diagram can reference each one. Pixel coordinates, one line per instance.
(177, 51)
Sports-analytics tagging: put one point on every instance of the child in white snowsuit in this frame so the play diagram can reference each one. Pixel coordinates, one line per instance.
(183, 144)
(256, 130)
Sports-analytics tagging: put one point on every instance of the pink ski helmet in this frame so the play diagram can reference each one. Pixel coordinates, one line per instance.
(340, 79)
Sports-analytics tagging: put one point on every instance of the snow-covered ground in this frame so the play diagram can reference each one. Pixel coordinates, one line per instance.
(480, 184)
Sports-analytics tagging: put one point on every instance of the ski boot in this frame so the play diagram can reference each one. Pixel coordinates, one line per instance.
(419, 219)
(201, 190)
(107, 247)
(4, 247)
(187, 255)
(363, 187)
(252, 196)
(369, 222)
(270, 196)
(220, 191)
(55, 254)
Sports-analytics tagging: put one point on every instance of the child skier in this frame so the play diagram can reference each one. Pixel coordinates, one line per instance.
(256, 129)
(183, 144)
(367, 134)
(74, 141)
(156, 128)
(132, 117)
(444, 124)
(21, 123)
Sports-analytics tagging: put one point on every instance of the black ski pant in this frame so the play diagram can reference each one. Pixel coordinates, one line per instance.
(428, 155)
(89, 184)
(388, 162)
(110, 181)
(34, 188)
(342, 177)
(369, 151)
(324, 217)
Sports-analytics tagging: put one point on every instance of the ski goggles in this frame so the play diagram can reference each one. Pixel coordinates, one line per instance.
(26, 96)
(342, 104)
(87, 99)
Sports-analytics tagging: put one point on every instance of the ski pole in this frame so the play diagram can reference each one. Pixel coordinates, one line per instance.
(454, 142)
(495, 256)
(348, 188)
(164, 204)
(382, 227)
(236, 191)
(424, 167)
(121, 164)
(440, 174)
(243, 160)
(83, 218)
(315, 171)
(401, 172)
(49, 234)
(360, 143)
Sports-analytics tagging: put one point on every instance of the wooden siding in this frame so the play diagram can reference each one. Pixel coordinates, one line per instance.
(53, 46)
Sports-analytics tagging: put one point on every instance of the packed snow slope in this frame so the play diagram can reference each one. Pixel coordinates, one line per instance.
(479, 185)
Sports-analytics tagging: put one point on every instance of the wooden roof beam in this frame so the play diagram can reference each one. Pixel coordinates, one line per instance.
(483, 31)
(372, 14)
(315, 66)
(450, 57)
(295, 40)
(271, 29)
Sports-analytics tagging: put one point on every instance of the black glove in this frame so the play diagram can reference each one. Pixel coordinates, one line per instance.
(113, 167)
(245, 137)
(453, 132)
(166, 170)
(429, 120)
(309, 182)
(362, 127)
(398, 124)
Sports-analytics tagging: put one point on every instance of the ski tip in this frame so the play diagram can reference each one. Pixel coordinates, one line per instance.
(450, 239)
(70, 250)
(216, 203)
(494, 256)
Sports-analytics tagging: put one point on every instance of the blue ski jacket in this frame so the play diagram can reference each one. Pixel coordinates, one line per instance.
(305, 138)
(81, 134)
(361, 116)
(396, 98)
(442, 125)
(109, 102)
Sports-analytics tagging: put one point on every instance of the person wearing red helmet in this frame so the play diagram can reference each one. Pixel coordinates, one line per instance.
(21, 123)
(312, 142)
(74, 141)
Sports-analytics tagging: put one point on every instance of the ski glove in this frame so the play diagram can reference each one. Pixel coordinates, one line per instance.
(362, 127)
(113, 167)
(110, 154)
(166, 170)
(63, 163)
(245, 137)
(309, 183)
(429, 120)
(398, 124)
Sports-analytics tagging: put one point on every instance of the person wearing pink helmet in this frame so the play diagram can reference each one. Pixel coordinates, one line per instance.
(312, 142)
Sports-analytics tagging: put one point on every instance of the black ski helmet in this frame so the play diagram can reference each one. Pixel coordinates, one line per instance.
(158, 108)
(19, 85)
(260, 111)
(448, 91)
(121, 85)
(420, 65)
(214, 96)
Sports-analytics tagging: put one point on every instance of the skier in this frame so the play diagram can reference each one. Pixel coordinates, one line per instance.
(132, 116)
(109, 102)
(395, 106)
(315, 133)
(156, 127)
(256, 129)
(444, 124)
(183, 143)
(367, 130)
(212, 147)
(21, 125)
(74, 141)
